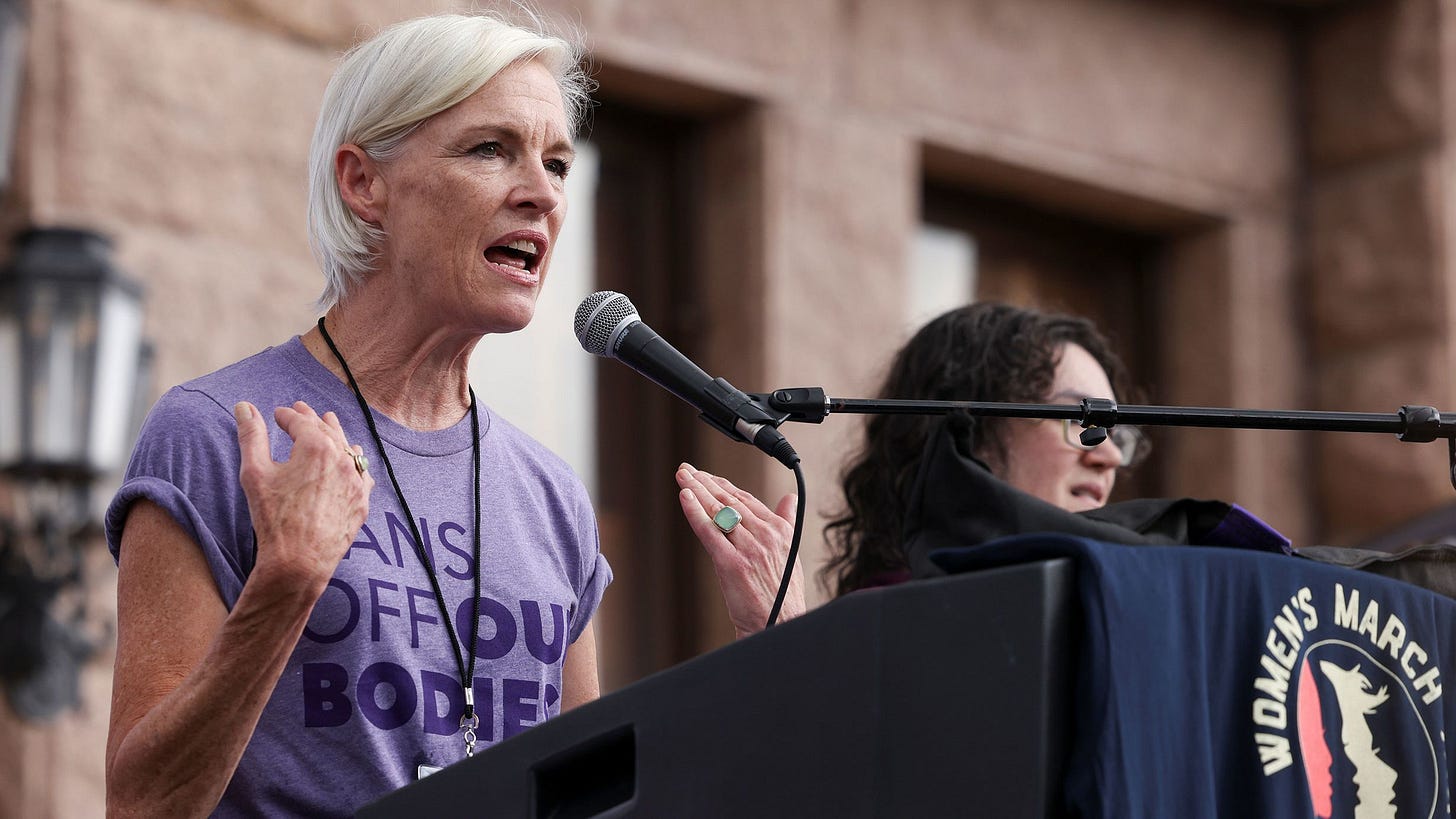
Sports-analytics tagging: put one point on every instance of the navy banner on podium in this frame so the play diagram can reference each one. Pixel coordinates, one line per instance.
(1221, 682)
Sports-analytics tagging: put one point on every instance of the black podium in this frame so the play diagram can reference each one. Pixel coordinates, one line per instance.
(942, 698)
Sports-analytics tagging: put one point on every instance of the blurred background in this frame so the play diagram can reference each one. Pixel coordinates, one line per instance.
(1253, 197)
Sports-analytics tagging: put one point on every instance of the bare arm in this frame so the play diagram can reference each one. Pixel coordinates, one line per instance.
(191, 678)
(579, 681)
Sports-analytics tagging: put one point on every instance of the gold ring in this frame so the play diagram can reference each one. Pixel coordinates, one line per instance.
(361, 463)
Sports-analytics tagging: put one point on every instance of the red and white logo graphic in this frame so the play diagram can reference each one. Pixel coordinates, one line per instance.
(1346, 689)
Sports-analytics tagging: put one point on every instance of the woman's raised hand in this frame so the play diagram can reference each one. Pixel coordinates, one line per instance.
(749, 560)
(306, 510)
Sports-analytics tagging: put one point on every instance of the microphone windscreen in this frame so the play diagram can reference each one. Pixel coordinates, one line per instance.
(598, 316)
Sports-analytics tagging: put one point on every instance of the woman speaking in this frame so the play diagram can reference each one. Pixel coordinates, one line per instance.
(338, 570)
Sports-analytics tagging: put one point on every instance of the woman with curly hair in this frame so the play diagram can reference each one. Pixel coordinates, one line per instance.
(980, 352)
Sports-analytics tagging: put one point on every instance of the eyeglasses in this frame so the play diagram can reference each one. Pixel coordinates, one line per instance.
(1131, 444)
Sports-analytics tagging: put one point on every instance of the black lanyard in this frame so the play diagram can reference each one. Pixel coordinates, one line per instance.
(468, 721)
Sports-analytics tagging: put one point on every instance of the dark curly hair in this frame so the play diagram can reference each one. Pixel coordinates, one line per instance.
(981, 352)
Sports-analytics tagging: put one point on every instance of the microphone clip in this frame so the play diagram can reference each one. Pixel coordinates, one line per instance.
(798, 404)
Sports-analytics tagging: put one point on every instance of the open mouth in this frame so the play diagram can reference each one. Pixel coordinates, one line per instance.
(521, 254)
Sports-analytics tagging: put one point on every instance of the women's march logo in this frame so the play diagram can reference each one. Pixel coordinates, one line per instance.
(1374, 779)
(1346, 689)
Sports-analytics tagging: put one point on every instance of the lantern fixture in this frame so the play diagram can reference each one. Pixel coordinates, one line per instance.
(70, 354)
(71, 357)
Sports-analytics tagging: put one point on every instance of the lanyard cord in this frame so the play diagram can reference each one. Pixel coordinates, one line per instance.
(467, 673)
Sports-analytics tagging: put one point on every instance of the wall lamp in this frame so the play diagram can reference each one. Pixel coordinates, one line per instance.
(72, 359)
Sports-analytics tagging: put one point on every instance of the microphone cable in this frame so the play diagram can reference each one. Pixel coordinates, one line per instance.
(773, 615)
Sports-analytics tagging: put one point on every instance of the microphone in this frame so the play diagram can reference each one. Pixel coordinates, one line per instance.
(608, 325)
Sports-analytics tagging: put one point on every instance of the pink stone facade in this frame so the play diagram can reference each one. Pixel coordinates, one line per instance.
(1290, 159)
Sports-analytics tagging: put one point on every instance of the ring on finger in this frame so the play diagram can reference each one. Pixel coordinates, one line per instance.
(727, 519)
(361, 463)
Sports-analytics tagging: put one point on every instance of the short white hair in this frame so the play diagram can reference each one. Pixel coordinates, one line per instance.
(387, 85)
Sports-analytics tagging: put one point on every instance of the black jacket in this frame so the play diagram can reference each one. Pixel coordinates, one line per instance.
(955, 502)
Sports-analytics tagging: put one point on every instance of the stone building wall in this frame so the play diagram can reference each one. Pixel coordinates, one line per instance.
(1290, 158)
(1379, 251)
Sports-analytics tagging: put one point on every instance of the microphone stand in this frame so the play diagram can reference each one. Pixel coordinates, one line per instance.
(1413, 423)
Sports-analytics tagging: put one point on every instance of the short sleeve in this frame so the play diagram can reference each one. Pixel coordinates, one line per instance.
(596, 573)
(186, 461)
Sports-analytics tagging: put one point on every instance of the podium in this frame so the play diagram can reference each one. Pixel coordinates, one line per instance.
(938, 698)
(1209, 682)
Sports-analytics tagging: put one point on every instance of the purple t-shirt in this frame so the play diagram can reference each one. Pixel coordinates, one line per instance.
(372, 688)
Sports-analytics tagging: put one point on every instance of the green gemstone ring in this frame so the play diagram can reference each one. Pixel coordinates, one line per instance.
(727, 519)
